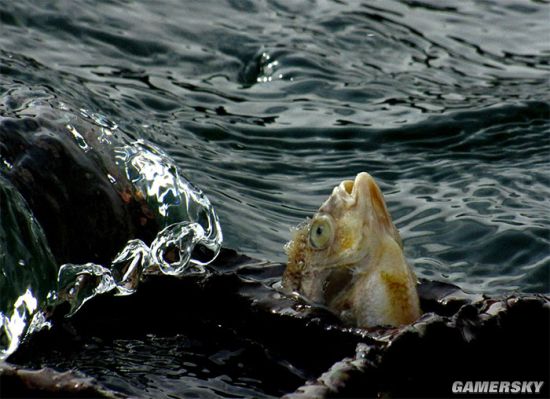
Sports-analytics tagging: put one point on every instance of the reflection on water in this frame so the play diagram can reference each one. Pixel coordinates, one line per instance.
(267, 105)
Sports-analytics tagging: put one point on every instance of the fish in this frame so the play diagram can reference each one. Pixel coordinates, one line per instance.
(349, 258)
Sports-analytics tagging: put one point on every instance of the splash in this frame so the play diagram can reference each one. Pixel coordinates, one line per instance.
(172, 228)
(27, 270)
(190, 238)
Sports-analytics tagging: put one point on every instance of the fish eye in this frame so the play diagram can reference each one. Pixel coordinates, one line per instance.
(320, 233)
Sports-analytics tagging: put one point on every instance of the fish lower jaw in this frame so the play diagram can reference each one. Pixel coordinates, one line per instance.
(382, 293)
(379, 301)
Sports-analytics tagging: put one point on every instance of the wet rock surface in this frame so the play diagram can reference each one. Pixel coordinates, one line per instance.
(460, 337)
(21, 382)
(68, 176)
(491, 340)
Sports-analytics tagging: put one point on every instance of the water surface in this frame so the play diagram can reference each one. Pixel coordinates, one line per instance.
(266, 105)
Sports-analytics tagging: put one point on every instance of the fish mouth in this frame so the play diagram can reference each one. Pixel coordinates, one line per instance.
(361, 186)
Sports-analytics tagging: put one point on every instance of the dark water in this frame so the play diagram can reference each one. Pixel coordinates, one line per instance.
(266, 105)
(196, 365)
